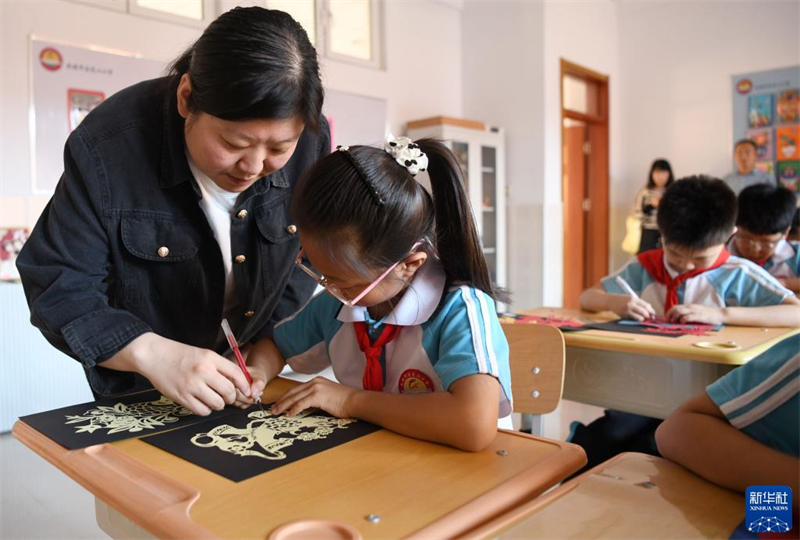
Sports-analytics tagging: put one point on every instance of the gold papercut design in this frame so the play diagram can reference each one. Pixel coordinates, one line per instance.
(269, 434)
(133, 417)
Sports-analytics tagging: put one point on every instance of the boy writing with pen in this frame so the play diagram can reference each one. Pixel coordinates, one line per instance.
(693, 278)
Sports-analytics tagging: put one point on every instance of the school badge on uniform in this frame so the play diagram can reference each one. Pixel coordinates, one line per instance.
(768, 509)
(413, 381)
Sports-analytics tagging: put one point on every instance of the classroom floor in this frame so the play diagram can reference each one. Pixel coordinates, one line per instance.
(39, 501)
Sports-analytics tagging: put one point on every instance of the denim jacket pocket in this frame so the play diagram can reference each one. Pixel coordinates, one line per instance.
(273, 221)
(161, 265)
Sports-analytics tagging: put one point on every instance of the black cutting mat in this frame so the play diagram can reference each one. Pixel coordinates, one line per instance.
(251, 442)
(115, 419)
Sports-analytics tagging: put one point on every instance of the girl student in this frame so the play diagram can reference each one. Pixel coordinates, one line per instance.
(409, 323)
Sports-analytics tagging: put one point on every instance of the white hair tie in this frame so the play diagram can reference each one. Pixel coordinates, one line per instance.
(406, 153)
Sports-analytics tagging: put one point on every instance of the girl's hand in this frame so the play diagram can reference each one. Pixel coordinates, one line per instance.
(632, 308)
(695, 313)
(319, 392)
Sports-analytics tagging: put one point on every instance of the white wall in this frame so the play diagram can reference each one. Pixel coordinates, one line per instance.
(502, 85)
(584, 33)
(675, 95)
(422, 75)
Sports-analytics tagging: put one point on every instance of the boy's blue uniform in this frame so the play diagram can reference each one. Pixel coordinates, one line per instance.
(785, 261)
(442, 340)
(762, 397)
(738, 282)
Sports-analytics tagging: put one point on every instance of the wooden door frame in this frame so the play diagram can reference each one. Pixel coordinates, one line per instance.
(597, 227)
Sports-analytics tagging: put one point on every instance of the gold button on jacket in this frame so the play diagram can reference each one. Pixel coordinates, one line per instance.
(240, 258)
(163, 251)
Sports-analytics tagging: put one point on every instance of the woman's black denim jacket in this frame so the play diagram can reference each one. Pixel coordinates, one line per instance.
(93, 269)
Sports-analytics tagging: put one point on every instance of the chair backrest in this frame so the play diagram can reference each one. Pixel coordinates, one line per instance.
(536, 354)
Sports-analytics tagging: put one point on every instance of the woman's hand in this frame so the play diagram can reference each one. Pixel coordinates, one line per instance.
(631, 308)
(264, 362)
(331, 397)
(695, 313)
(199, 379)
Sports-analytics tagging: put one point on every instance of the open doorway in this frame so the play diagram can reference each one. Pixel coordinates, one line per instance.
(584, 154)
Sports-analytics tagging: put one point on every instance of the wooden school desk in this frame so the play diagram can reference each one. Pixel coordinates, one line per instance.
(652, 375)
(382, 485)
(629, 496)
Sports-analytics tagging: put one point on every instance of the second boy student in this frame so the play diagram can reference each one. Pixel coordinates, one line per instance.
(693, 278)
(765, 218)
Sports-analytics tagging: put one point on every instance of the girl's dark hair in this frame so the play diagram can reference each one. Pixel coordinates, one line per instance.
(660, 165)
(253, 63)
(333, 201)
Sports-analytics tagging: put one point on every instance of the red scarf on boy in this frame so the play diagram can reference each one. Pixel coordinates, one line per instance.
(653, 262)
(373, 374)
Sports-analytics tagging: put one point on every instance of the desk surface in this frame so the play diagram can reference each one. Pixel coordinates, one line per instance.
(733, 345)
(629, 496)
(418, 489)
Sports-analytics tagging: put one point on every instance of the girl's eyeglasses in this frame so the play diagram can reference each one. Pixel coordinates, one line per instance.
(336, 292)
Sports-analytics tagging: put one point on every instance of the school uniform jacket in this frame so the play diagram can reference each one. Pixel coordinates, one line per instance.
(445, 335)
(785, 261)
(738, 282)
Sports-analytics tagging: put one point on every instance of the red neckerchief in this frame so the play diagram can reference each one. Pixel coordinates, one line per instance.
(373, 374)
(653, 262)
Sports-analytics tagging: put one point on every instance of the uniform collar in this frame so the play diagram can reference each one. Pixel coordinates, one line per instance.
(418, 303)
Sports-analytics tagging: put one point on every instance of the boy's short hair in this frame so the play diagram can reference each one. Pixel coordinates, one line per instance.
(697, 212)
(751, 142)
(766, 209)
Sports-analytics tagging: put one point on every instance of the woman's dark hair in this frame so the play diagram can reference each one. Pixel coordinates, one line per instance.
(253, 63)
(660, 165)
(766, 209)
(337, 199)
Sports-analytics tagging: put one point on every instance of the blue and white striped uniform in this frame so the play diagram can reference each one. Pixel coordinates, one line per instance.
(785, 261)
(440, 342)
(762, 397)
(738, 282)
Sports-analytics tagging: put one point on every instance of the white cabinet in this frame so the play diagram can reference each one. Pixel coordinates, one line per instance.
(481, 153)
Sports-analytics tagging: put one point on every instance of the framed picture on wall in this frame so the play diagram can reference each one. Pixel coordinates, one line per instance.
(763, 140)
(787, 141)
(81, 103)
(788, 107)
(788, 174)
(760, 110)
(11, 241)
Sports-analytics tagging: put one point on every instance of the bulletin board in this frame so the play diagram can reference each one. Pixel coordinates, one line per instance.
(766, 109)
(66, 83)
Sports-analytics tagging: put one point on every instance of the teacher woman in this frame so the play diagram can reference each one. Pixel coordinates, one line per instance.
(173, 212)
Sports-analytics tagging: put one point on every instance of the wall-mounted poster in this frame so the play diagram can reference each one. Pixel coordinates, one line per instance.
(763, 140)
(766, 166)
(67, 82)
(787, 143)
(760, 110)
(788, 106)
(788, 172)
(762, 102)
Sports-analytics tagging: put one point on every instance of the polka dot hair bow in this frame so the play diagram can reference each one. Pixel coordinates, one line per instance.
(406, 153)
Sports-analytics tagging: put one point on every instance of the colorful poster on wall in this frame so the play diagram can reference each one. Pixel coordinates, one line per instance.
(763, 140)
(67, 82)
(760, 110)
(788, 107)
(787, 140)
(788, 172)
(764, 102)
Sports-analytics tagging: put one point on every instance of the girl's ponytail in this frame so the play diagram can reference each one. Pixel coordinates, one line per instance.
(457, 241)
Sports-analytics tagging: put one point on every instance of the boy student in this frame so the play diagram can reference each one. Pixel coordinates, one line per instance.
(745, 152)
(742, 430)
(693, 278)
(764, 220)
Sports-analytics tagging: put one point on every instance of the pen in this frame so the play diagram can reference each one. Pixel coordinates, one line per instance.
(235, 348)
(625, 287)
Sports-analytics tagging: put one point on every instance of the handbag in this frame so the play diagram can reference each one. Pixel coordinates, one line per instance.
(633, 234)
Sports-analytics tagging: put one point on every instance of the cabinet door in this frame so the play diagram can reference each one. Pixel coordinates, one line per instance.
(488, 207)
